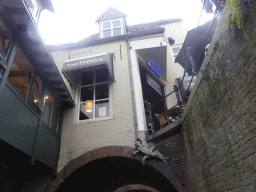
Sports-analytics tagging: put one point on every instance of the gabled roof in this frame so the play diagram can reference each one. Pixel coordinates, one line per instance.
(138, 30)
(110, 13)
(143, 27)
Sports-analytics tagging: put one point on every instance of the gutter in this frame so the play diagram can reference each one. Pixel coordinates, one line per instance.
(105, 40)
(132, 91)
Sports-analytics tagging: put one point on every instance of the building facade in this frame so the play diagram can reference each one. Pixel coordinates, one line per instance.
(82, 112)
(64, 102)
(111, 111)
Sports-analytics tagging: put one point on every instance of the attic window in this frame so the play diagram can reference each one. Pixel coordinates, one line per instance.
(111, 28)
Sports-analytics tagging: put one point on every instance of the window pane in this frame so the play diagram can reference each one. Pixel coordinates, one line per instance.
(101, 75)
(101, 91)
(36, 93)
(21, 73)
(101, 109)
(117, 32)
(3, 35)
(176, 50)
(86, 93)
(117, 23)
(48, 108)
(87, 78)
(106, 25)
(107, 33)
(86, 111)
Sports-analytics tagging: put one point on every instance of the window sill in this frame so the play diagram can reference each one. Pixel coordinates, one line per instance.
(93, 120)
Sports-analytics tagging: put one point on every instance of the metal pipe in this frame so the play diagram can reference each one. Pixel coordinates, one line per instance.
(149, 110)
(162, 99)
(202, 48)
(179, 103)
(132, 91)
(193, 42)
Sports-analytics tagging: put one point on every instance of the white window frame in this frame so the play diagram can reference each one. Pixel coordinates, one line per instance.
(78, 121)
(111, 27)
(173, 53)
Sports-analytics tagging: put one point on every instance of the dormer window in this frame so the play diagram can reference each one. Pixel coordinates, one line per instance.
(111, 23)
(111, 28)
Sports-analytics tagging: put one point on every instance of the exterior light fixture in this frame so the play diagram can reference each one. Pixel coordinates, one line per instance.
(46, 97)
(170, 40)
(35, 100)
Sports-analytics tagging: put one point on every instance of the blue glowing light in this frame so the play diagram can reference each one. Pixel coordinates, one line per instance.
(153, 69)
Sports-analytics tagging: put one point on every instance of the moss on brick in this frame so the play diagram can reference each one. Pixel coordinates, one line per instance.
(219, 128)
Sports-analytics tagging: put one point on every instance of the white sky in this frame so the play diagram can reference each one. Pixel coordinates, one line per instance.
(75, 19)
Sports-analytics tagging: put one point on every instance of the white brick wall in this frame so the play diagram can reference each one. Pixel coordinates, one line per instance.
(79, 138)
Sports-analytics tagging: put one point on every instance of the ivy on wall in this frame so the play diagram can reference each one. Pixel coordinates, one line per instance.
(235, 16)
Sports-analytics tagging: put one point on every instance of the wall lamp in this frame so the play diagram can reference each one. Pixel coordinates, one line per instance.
(170, 40)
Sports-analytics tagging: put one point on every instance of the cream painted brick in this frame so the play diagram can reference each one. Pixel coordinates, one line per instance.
(80, 138)
(177, 30)
(77, 139)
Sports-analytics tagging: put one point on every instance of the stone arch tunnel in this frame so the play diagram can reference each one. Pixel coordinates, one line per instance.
(115, 169)
(111, 173)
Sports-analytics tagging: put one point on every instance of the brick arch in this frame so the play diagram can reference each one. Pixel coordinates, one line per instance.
(113, 151)
(136, 187)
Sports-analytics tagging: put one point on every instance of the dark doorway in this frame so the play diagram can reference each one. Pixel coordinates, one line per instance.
(111, 173)
(152, 93)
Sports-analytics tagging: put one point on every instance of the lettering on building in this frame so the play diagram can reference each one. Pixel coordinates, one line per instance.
(83, 62)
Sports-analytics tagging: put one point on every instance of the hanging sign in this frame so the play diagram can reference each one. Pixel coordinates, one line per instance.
(154, 84)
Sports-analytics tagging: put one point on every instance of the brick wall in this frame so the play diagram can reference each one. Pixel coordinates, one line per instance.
(219, 127)
(136, 187)
(172, 146)
(114, 151)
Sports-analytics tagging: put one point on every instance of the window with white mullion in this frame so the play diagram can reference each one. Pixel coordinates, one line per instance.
(111, 28)
(95, 84)
(94, 94)
(102, 99)
(96, 100)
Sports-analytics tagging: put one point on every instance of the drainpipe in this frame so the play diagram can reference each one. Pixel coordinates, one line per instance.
(132, 91)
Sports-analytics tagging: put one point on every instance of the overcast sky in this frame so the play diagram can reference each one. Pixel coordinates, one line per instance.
(75, 19)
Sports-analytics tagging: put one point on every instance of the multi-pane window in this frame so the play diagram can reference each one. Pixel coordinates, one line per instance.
(28, 84)
(94, 94)
(36, 97)
(48, 109)
(175, 52)
(21, 72)
(111, 28)
(4, 39)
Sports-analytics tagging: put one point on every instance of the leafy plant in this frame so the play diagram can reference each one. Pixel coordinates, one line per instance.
(235, 16)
